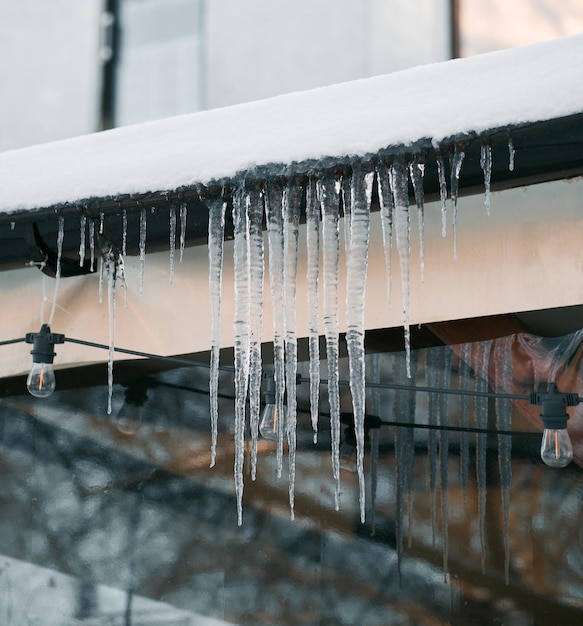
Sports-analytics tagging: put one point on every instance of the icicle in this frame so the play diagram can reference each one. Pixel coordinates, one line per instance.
(216, 237)
(183, 217)
(356, 266)
(399, 186)
(92, 245)
(410, 406)
(482, 359)
(374, 465)
(464, 385)
(328, 196)
(313, 262)
(486, 165)
(172, 227)
(387, 207)
(292, 203)
(124, 233)
(444, 383)
(241, 339)
(347, 208)
(416, 172)
(442, 191)
(101, 278)
(254, 202)
(511, 153)
(142, 248)
(112, 264)
(456, 166)
(274, 220)
(431, 365)
(82, 228)
(60, 239)
(503, 377)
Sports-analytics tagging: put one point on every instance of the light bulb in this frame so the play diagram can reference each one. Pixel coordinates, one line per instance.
(41, 380)
(556, 449)
(270, 422)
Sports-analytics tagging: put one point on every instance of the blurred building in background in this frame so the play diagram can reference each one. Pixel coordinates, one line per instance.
(69, 68)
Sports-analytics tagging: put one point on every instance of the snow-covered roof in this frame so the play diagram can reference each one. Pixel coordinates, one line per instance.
(428, 104)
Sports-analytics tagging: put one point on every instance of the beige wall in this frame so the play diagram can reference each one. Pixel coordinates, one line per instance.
(526, 256)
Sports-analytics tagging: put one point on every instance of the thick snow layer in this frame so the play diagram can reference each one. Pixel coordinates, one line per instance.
(499, 89)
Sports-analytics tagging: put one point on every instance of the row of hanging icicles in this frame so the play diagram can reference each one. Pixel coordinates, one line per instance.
(326, 200)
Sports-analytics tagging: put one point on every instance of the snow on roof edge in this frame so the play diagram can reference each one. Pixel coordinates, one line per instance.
(430, 103)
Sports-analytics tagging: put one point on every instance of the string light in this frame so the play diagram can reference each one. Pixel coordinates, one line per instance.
(556, 447)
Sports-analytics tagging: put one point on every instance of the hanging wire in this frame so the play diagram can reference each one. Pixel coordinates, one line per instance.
(303, 379)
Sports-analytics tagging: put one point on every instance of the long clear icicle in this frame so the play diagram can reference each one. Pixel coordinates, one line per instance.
(444, 373)
(328, 196)
(254, 201)
(347, 208)
(464, 385)
(183, 218)
(142, 248)
(172, 243)
(60, 239)
(387, 206)
(503, 382)
(431, 365)
(313, 272)
(241, 338)
(511, 153)
(417, 172)
(486, 165)
(356, 267)
(291, 211)
(482, 361)
(124, 233)
(82, 230)
(113, 266)
(216, 237)
(442, 190)
(274, 220)
(92, 245)
(399, 186)
(456, 166)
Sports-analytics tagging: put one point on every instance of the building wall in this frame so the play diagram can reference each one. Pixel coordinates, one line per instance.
(50, 71)
(259, 48)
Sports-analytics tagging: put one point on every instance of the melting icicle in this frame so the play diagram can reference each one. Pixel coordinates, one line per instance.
(442, 191)
(172, 227)
(92, 244)
(503, 377)
(387, 207)
(101, 275)
(456, 166)
(431, 365)
(444, 380)
(60, 239)
(464, 385)
(399, 186)
(254, 202)
(511, 153)
(482, 360)
(347, 208)
(486, 165)
(374, 465)
(241, 339)
(416, 172)
(183, 217)
(274, 220)
(82, 227)
(291, 210)
(357, 261)
(113, 266)
(142, 247)
(124, 233)
(101, 222)
(328, 196)
(313, 261)
(216, 236)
